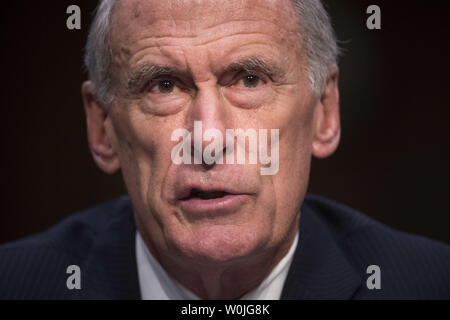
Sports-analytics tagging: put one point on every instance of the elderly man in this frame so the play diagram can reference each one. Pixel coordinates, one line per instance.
(178, 92)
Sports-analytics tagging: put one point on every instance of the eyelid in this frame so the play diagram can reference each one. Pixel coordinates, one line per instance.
(178, 83)
(154, 82)
(242, 74)
(261, 74)
(239, 75)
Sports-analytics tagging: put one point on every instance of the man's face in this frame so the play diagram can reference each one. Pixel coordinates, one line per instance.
(201, 52)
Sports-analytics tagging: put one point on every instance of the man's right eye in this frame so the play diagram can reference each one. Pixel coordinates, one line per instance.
(163, 86)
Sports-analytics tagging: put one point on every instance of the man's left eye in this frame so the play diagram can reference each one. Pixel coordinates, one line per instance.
(251, 81)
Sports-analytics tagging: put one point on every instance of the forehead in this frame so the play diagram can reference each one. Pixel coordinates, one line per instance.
(200, 21)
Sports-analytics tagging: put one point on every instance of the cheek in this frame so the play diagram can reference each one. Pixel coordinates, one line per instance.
(247, 98)
(295, 151)
(165, 105)
(143, 144)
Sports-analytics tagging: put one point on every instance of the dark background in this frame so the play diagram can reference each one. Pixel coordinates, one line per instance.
(392, 163)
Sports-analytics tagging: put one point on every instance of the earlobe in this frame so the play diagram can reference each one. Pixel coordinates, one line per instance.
(99, 141)
(327, 129)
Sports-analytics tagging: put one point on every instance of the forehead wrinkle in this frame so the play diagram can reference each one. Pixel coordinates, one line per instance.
(161, 45)
(161, 30)
(165, 16)
(174, 51)
(165, 41)
(158, 20)
(178, 63)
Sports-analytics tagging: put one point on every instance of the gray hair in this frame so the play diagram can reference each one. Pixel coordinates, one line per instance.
(98, 53)
(319, 41)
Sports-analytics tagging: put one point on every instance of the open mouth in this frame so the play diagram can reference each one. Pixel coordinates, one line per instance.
(205, 195)
(199, 202)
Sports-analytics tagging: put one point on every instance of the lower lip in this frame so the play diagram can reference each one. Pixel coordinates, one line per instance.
(225, 205)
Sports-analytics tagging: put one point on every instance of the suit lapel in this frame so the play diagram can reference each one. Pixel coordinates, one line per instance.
(111, 266)
(319, 269)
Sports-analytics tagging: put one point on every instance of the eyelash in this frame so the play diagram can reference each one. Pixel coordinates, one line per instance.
(244, 73)
(240, 77)
(155, 82)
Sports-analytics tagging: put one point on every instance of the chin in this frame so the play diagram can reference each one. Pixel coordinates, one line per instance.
(221, 243)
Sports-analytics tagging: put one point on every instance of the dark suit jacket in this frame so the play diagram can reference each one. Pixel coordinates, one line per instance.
(336, 246)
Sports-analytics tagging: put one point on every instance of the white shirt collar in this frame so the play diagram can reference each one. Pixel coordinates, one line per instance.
(156, 284)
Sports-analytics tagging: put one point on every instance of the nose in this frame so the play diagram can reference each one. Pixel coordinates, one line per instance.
(209, 117)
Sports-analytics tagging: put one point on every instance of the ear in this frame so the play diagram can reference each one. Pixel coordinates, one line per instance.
(99, 142)
(327, 128)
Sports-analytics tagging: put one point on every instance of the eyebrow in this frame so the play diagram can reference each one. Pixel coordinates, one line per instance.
(141, 75)
(138, 78)
(258, 65)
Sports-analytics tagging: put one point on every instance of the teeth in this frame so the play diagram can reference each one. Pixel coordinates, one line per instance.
(195, 193)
